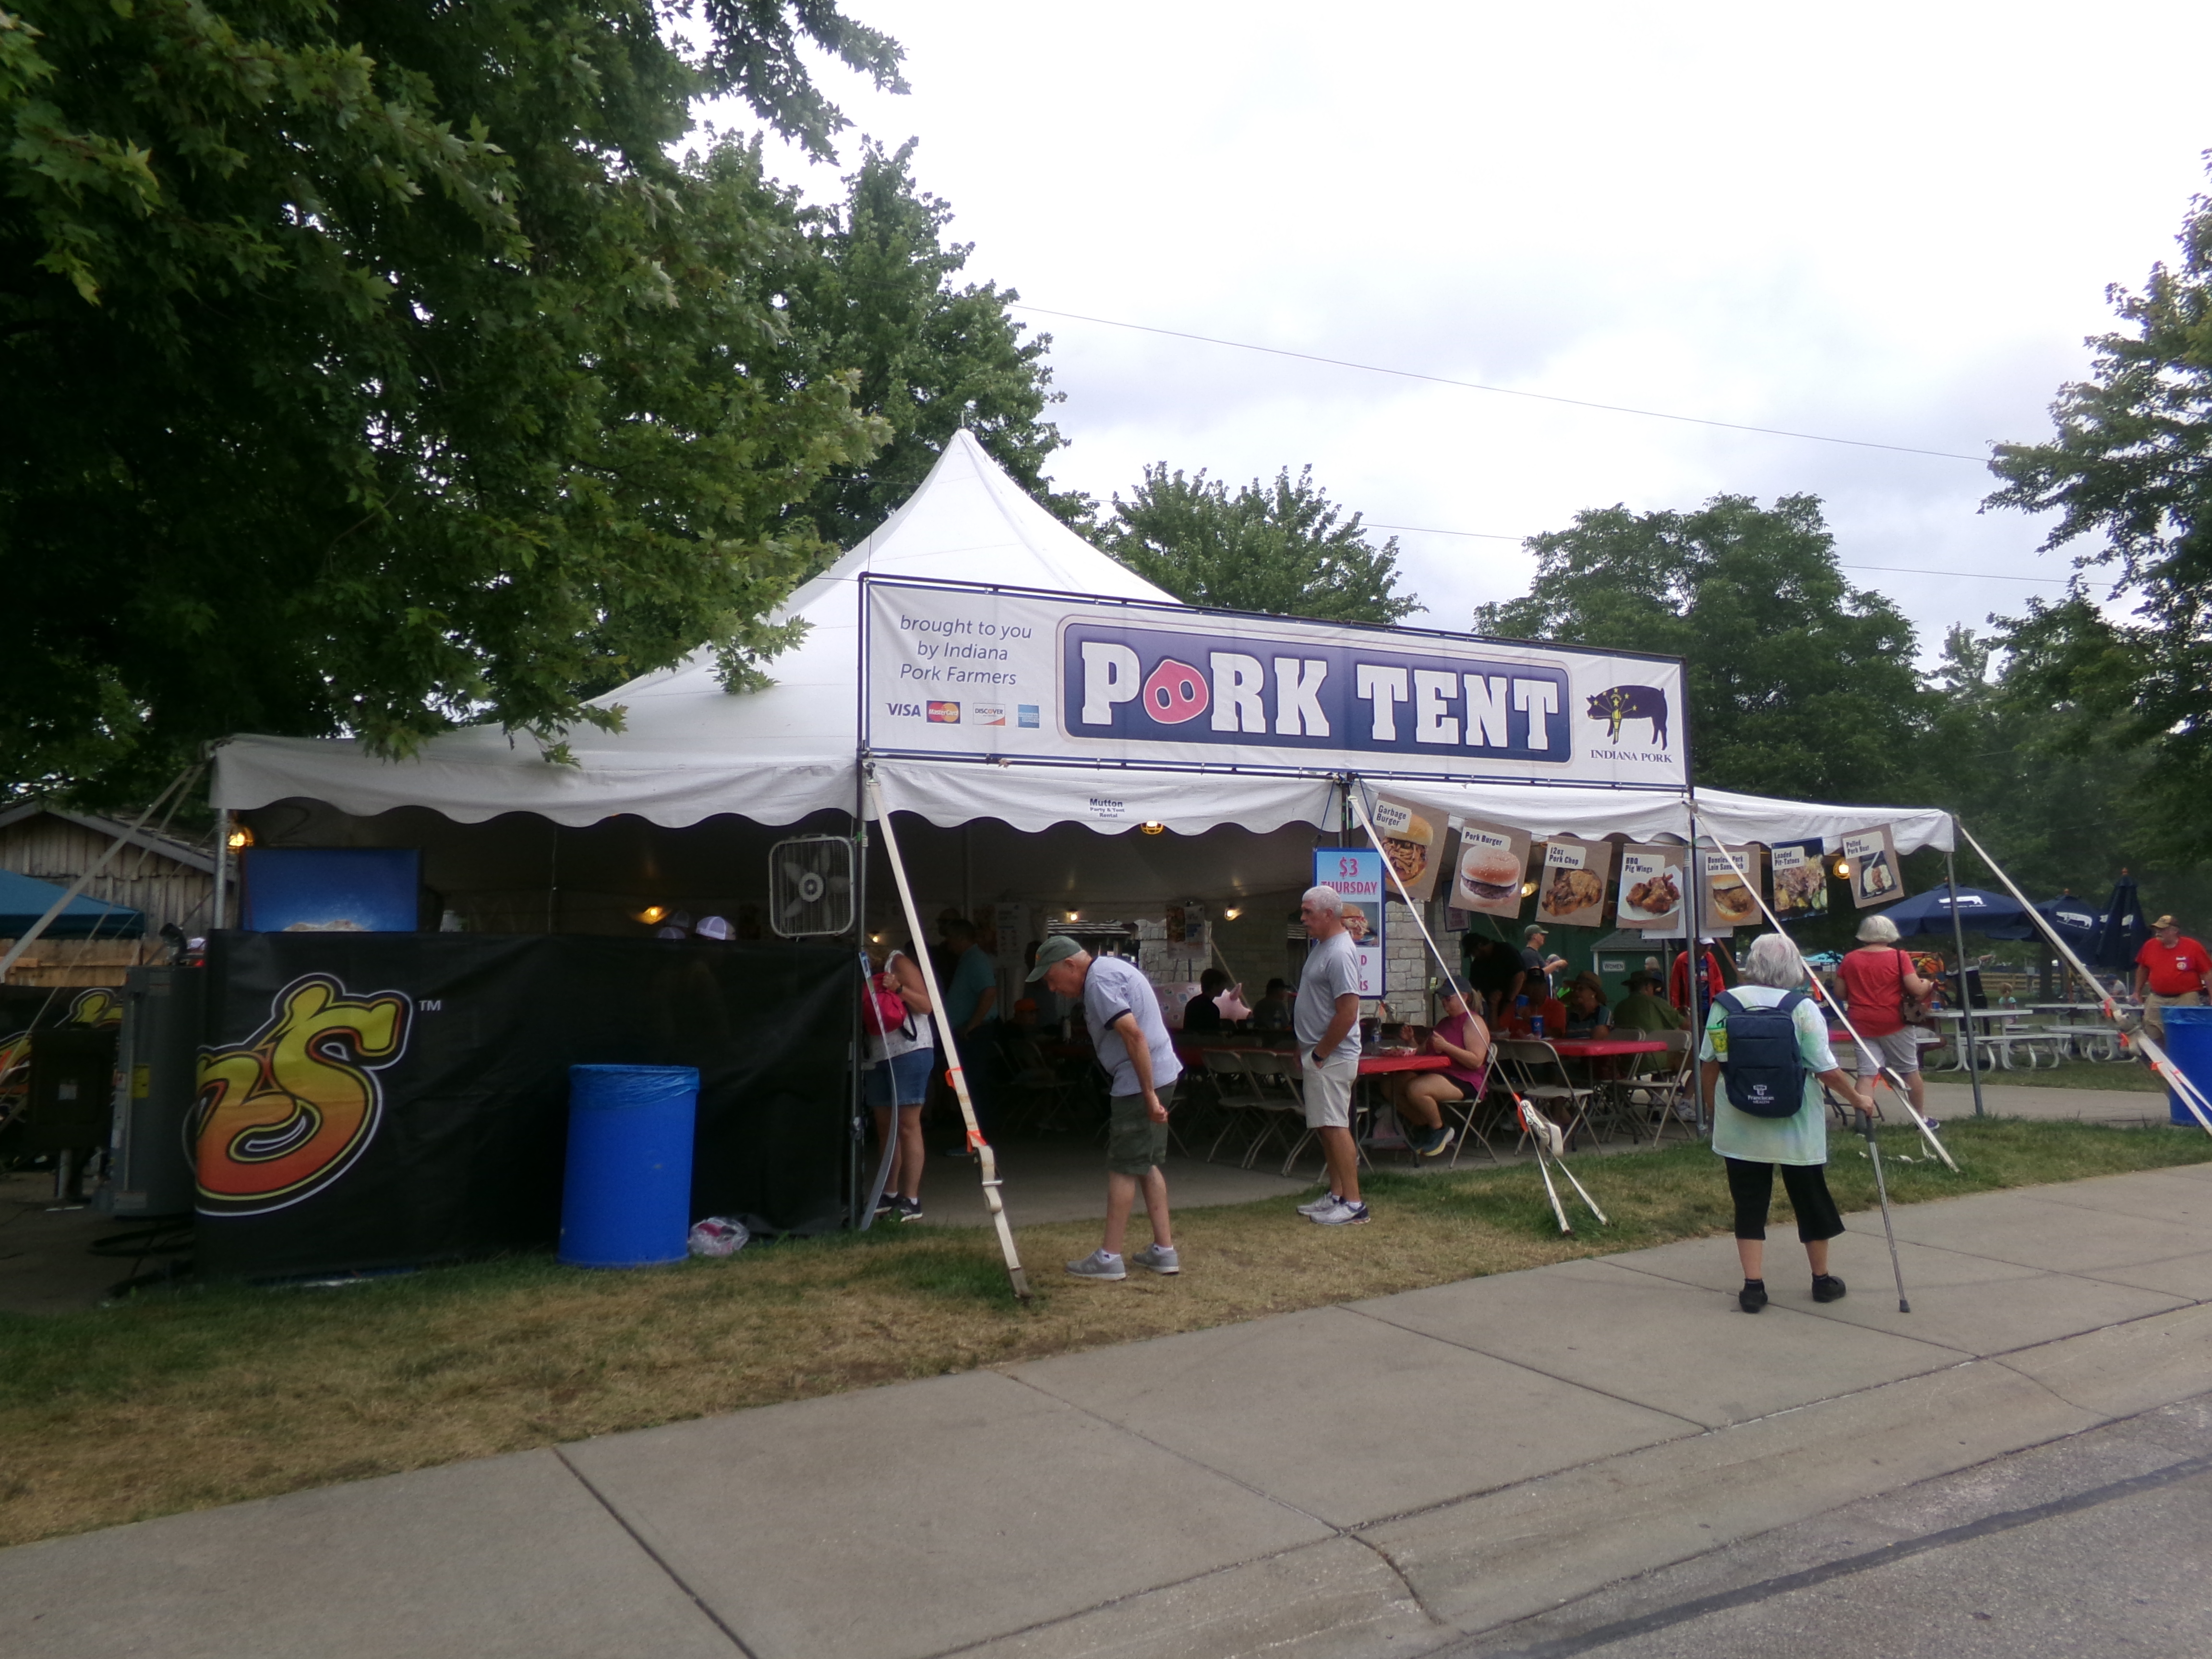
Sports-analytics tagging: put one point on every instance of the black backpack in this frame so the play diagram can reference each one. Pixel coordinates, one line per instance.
(1764, 1072)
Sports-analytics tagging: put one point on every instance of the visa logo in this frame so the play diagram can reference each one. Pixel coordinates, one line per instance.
(911, 711)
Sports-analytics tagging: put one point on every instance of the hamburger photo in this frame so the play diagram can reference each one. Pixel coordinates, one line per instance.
(1491, 874)
(1732, 900)
(1409, 847)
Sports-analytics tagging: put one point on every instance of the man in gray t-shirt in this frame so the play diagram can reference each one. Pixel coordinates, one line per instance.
(1133, 1044)
(1326, 1019)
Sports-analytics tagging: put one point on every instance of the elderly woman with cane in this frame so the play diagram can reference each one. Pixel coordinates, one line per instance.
(1770, 1043)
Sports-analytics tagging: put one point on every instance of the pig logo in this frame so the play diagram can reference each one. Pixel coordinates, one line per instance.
(1631, 703)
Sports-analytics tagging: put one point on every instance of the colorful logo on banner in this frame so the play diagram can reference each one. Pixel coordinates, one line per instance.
(1617, 703)
(283, 1114)
(1139, 683)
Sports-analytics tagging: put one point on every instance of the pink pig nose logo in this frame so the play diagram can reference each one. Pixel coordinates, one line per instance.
(1176, 692)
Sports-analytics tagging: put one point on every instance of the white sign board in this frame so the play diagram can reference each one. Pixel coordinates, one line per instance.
(985, 673)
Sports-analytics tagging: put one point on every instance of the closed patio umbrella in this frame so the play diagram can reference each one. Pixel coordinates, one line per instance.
(2120, 933)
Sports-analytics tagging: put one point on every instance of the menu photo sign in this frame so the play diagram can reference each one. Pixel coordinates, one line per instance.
(1801, 880)
(1571, 886)
(1493, 861)
(1651, 878)
(1413, 844)
(1731, 900)
(1356, 873)
(1876, 879)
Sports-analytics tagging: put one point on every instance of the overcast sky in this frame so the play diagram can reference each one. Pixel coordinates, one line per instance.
(1886, 222)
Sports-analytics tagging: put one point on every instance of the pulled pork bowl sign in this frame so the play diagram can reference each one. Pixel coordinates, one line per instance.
(1876, 879)
(995, 673)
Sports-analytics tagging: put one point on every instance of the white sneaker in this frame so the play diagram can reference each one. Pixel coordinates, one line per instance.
(1326, 1202)
(1341, 1214)
(1098, 1265)
(1160, 1258)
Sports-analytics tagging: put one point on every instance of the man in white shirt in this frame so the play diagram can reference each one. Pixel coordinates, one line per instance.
(1325, 1021)
(1133, 1044)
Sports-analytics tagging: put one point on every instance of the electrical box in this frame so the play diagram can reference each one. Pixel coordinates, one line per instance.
(157, 1074)
(72, 1074)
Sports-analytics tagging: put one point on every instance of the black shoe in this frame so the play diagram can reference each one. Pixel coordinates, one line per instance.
(1753, 1297)
(887, 1204)
(1827, 1287)
(909, 1209)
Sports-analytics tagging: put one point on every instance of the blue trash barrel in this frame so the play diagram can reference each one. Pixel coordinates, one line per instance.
(626, 1201)
(2189, 1046)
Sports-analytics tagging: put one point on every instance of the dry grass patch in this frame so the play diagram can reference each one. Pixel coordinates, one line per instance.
(187, 1399)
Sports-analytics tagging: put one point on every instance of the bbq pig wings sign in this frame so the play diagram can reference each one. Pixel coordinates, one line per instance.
(993, 673)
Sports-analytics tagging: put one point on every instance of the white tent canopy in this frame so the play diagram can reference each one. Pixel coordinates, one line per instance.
(689, 750)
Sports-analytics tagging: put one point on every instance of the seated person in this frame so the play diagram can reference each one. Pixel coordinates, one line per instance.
(1273, 1013)
(1643, 1009)
(1201, 1017)
(1587, 1017)
(1026, 1017)
(1463, 1038)
(1549, 1009)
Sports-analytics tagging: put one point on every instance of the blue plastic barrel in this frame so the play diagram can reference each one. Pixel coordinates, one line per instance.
(626, 1201)
(2189, 1046)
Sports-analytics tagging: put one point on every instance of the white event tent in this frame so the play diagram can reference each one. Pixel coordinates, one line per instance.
(689, 752)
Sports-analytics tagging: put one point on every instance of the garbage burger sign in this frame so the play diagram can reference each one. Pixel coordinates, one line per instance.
(993, 673)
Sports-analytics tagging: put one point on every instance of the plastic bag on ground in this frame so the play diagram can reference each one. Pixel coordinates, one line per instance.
(718, 1236)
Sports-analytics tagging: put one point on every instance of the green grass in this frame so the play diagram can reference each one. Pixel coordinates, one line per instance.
(190, 1397)
(2068, 1074)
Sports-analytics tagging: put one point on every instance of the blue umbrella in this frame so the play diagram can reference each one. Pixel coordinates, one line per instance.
(23, 900)
(2121, 933)
(2075, 921)
(1979, 912)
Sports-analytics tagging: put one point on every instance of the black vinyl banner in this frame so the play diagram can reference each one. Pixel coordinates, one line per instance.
(379, 1100)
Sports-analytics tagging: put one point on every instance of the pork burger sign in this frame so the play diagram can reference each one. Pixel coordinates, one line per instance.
(999, 673)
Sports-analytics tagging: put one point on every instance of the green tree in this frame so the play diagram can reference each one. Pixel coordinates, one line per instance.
(1798, 684)
(1283, 548)
(2131, 464)
(369, 365)
(872, 295)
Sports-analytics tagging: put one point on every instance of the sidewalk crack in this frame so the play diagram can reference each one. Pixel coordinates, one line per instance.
(654, 1555)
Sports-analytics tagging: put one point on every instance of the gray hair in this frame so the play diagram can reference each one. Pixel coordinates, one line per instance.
(1773, 961)
(1878, 930)
(1324, 898)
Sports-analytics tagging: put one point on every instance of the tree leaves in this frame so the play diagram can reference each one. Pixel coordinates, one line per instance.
(1282, 547)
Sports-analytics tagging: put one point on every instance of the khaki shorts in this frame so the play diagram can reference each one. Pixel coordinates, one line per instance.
(1329, 1092)
(2153, 1001)
(1898, 1050)
(1134, 1143)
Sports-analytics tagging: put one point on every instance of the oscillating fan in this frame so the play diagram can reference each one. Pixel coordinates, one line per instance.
(810, 886)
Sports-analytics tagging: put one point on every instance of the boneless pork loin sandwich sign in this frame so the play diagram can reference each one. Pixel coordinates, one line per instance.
(1005, 674)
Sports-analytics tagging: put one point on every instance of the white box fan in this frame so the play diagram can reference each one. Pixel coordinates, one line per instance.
(810, 886)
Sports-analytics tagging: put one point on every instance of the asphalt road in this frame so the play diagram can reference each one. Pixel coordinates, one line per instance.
(2097, 1544)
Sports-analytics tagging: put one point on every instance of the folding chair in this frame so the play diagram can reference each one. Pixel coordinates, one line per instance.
(1235, 1093)
(1660, 1095)
(1280, 1101)
(1466, 1116)
(1537, 1071)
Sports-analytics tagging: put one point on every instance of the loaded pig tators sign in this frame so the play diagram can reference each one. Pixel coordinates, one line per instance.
(990, 673)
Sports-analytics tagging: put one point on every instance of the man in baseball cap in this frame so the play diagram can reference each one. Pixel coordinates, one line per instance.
(2170, 972)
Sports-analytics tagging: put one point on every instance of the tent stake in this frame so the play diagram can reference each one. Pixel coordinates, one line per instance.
(984, 1157)
(1966, 1001)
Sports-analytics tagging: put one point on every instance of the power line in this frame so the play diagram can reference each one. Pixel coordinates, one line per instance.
(1893, 569)
(1502, 391)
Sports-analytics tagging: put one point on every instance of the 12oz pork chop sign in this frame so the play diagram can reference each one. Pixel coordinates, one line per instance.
(990, 673)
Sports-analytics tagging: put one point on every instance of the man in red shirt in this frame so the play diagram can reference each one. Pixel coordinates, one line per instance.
(1710, 986)
(2170, 972)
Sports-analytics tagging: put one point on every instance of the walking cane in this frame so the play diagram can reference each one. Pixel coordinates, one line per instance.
(1865, 1126)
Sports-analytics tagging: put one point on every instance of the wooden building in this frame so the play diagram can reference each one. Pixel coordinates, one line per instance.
(164, 879)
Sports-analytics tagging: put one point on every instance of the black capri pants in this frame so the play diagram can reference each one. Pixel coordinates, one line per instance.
(1752, 1187)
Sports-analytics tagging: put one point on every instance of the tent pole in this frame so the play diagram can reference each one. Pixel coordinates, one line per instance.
(1966, 1003)
(2183, 1088)
(863, 1203)
(221, 867)
(984, 1157)
(1693, 957)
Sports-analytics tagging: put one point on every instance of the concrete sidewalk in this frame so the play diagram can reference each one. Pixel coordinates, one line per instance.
(1382, 1478)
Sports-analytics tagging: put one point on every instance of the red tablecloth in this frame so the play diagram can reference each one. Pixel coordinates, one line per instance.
(1594, 1049)
(1371, 1064)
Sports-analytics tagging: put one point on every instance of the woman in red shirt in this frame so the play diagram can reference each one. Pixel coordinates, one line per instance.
(1464, 1041)
(1877, 977)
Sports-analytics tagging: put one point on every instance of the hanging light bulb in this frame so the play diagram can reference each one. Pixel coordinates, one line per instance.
(1151, 828)
(239, 839)
(1231, 913)
(1842, 868)
(651, 914)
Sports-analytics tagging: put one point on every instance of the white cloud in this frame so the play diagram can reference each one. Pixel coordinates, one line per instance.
(1894, 222)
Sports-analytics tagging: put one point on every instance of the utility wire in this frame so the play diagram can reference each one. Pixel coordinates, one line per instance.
(1893, 569)
(1502, 391)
